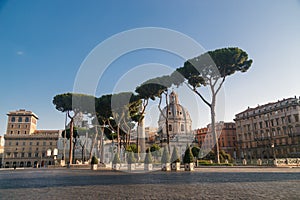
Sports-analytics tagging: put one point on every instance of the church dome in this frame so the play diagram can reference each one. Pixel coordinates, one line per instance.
(179, 120)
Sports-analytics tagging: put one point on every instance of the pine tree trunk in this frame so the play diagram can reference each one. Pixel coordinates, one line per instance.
(167, 122)
(213, 128)
(118, 139)
(71, 141)
(94, 142)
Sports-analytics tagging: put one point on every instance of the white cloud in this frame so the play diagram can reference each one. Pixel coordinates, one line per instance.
(20, 53)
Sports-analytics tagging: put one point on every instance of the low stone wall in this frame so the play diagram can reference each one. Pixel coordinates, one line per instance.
(293, 162)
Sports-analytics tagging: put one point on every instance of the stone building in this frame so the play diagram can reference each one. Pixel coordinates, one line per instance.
(269, 131)
(227, 138)
(1, 149)
(25, 146)
(179, 124)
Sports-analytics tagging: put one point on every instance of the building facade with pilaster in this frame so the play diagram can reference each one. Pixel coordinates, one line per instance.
(269, 131)
(25, 146)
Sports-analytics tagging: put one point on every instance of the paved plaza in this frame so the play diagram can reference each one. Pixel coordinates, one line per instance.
(204, 183)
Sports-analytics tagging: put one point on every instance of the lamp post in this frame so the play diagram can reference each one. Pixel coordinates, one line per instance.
(48, 155)
(274, 154)
(55, 153)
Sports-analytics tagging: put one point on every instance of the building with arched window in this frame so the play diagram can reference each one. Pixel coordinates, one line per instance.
(268, 131)
(25, 146)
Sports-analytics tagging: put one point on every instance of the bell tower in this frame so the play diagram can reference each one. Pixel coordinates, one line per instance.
(21, 122)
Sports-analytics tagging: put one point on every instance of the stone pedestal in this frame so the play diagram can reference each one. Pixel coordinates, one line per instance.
(116, 166)
(148, 167)
(94, 167)
(166, 167)
(131, 166)
(176, 166)
(189, 167)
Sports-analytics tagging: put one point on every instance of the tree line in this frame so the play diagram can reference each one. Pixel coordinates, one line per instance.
(115, 115)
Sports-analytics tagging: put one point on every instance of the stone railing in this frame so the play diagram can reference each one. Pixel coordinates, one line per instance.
(280, 162)
(287, 162)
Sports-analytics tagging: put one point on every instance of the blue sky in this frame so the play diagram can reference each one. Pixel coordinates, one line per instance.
(43, 43)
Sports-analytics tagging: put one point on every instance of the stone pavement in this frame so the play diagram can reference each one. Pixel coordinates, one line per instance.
(204, 183)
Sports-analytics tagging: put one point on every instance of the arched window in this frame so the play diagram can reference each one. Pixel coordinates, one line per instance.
(27, 119)
(13, 119)
(20, 119)
(170, 127)
(182, 127)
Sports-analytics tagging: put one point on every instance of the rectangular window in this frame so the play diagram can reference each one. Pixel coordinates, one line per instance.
(22, 155)
(170, 127)
(296, 118)
(260, 124)
(248, 126)
(282, 120)
(44, 143)
(289, 119)
(37, 143)
(15, 155)
(24, 143)
(36, 155)
(29, 155)
(267, 124)
(30, 143)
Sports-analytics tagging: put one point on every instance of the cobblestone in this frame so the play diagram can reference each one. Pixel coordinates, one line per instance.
(204, 183)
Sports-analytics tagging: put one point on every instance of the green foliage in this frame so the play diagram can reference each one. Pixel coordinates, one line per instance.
(165, 157)
(132, 148)
(103, 109)
(155, 150)
(188, 156)
(208, 163)
(154, 147)
(214, 64)
(116, 159)
(195, 151)
(94, 160)
(74, 102)
(224, 156)
(175, 156)
(68, 133)
(130, 158)
(210, 156)
(148, 158)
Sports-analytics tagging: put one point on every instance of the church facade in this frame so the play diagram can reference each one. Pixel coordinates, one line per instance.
(179, 124)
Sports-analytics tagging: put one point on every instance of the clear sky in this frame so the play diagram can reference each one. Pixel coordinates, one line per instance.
(43, 43)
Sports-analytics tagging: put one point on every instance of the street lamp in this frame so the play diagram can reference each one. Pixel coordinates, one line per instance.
(274, 154)
(55, 153)
(48, 154)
